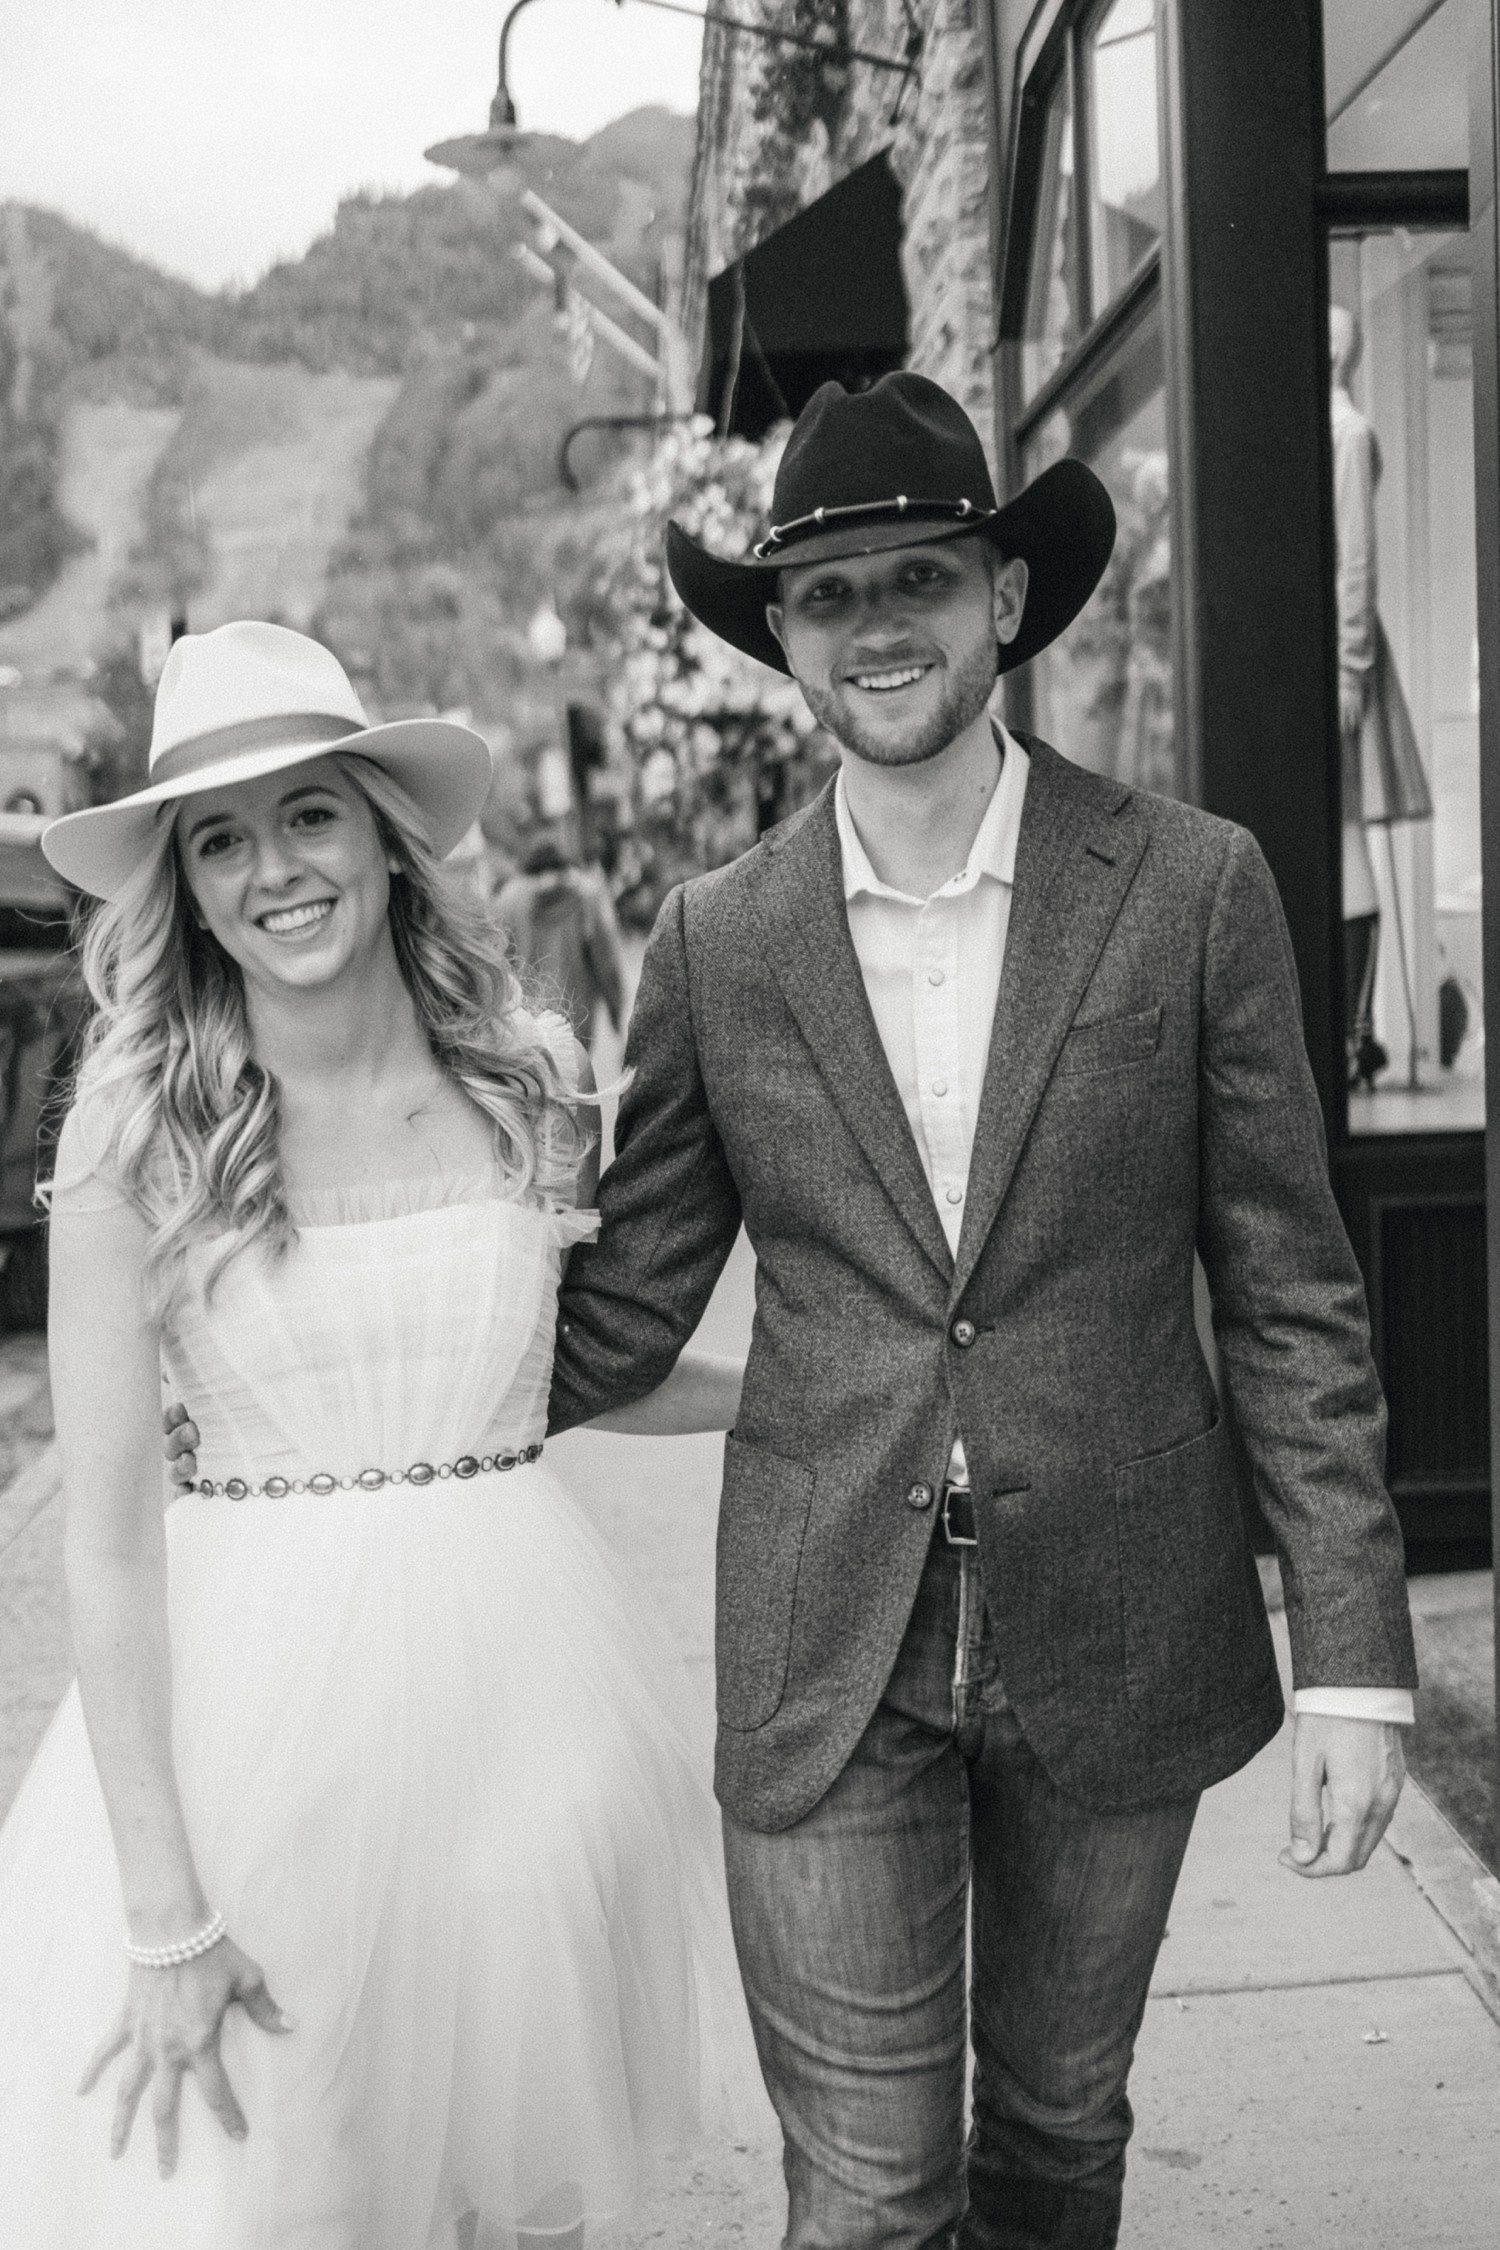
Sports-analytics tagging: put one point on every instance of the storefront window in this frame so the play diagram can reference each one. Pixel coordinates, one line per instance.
(1104, 691)
(1396, 78)
(1124, 146)
(1053, 320)
(1403, 452)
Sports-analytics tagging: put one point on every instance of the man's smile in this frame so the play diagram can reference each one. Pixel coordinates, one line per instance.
(887, 682)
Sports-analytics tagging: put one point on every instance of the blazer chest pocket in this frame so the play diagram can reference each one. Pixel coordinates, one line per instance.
(1110, 1042)
(763, 1516)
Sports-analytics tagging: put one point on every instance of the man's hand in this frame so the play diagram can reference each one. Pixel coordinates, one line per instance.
(1346, 1777)
(180, 1445)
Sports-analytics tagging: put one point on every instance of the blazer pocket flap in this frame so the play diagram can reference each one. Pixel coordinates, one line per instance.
(1108, 1041)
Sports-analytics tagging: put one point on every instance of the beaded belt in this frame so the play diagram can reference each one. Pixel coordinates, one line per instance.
(368, 1480)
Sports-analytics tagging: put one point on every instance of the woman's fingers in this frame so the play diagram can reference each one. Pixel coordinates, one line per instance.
(261, 2008)
(128, 2100)
(104, 2054)
(166, 2104)
(218, 2093)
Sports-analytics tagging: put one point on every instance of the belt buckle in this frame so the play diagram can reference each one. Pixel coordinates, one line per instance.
(957, 1538)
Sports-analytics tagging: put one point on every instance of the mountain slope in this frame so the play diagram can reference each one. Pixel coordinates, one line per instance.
(368, 437)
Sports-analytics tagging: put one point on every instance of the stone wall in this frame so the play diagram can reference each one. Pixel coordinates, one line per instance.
(777, 128)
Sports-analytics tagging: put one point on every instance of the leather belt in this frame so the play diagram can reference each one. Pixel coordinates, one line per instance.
(959, 1526)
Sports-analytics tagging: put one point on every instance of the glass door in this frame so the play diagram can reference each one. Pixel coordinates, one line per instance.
(1401, 404)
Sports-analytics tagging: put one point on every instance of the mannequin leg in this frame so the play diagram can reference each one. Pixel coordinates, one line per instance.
(1365, 1053)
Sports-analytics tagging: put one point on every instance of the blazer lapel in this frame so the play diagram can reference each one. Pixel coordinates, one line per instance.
(1075, 860)
(806, 924)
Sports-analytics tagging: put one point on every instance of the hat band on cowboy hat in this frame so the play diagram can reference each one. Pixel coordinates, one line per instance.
(251, 699)
(901, 465)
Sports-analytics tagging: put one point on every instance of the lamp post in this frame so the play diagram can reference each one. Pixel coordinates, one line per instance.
(478, 154)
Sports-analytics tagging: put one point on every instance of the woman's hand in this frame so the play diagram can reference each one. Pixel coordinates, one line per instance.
(169, 2027)
(180, 1446)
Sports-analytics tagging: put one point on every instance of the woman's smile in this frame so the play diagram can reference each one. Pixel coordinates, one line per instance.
(296, 921)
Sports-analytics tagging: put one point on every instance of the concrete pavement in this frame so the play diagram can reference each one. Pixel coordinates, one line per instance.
(1320, 2062)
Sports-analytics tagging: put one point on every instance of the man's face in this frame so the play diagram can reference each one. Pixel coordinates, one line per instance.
(896, 652)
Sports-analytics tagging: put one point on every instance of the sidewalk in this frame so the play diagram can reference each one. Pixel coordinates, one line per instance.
(1319, 2068)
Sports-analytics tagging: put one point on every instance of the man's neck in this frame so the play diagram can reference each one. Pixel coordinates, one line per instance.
(918, 823)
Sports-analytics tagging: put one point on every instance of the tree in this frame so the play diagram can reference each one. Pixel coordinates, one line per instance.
(717, 747)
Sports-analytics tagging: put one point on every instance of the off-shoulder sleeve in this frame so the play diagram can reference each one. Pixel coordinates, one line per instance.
(574, 1226)
(85, 1178)
(556, 1035)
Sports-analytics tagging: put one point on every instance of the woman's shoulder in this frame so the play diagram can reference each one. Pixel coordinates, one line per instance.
(86, 1169)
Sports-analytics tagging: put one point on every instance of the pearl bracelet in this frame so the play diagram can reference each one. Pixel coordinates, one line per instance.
(187, 1949)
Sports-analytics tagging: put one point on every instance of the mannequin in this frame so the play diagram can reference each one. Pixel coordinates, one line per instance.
(1383, 777)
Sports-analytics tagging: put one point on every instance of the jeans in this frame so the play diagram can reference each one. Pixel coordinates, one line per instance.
(943, 1890)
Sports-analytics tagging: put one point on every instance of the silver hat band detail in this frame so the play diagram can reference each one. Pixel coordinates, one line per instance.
(820, 519)
(369, 1480)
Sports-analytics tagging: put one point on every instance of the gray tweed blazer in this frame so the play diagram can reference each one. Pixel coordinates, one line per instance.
(1147, 1094)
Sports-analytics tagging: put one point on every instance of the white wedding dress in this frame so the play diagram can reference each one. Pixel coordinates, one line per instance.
(432, 1775)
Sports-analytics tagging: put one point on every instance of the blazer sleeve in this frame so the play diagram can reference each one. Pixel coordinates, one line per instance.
(1289, 1302)
(669, 1206)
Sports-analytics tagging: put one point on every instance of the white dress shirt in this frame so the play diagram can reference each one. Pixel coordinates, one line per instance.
(931, 969)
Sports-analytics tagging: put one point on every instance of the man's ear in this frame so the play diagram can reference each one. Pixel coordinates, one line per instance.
(776, 619)
(1010, 582)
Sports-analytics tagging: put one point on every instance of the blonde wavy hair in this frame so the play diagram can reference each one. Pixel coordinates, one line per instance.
(193, 1119)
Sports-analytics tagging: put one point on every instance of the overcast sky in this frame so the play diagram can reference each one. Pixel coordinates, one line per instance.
(213, 136)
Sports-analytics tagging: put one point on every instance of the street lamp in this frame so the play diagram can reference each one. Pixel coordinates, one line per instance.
(478, 154)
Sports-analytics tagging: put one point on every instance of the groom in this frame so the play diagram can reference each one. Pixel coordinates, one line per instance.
(981, 1048)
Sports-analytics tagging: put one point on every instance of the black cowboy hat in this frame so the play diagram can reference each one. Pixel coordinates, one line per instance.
(899, 464)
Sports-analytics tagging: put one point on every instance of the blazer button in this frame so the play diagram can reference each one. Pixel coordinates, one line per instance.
(963, 1333)
(920, 1496)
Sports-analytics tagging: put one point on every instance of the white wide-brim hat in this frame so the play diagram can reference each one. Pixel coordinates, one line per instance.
(249, 699)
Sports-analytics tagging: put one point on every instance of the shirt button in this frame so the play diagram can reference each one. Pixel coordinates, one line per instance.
(934, 976)
(920, 1496)
(963, 1333)
(940, 1085)
(955, 1195)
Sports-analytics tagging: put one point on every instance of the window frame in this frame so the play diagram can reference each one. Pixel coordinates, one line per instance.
(1054, 48)
(1053, 44)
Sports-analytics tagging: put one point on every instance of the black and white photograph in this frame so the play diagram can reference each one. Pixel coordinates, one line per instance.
(749, 1250)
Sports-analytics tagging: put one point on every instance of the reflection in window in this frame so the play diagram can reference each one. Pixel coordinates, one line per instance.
(1396, 76)
(1125, 214)
(1053, 317)
(1403, 451)
(1103, 693)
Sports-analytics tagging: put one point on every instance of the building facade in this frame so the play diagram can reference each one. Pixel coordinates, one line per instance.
(1243, 261)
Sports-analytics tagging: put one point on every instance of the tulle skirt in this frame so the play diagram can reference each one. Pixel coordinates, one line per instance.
(441, 1782)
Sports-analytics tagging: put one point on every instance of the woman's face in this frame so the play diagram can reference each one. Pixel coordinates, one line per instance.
(288, 873)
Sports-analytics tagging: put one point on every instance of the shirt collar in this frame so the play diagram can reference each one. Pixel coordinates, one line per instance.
(992, 853)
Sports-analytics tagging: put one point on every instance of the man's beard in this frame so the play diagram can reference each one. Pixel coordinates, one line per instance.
(965, 694)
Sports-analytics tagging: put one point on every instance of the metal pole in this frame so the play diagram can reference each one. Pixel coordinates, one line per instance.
(502, 108)
(832, 48)
(676, 355)
(608, 331)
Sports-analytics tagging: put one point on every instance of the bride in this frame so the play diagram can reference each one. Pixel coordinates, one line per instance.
(371, 1769)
